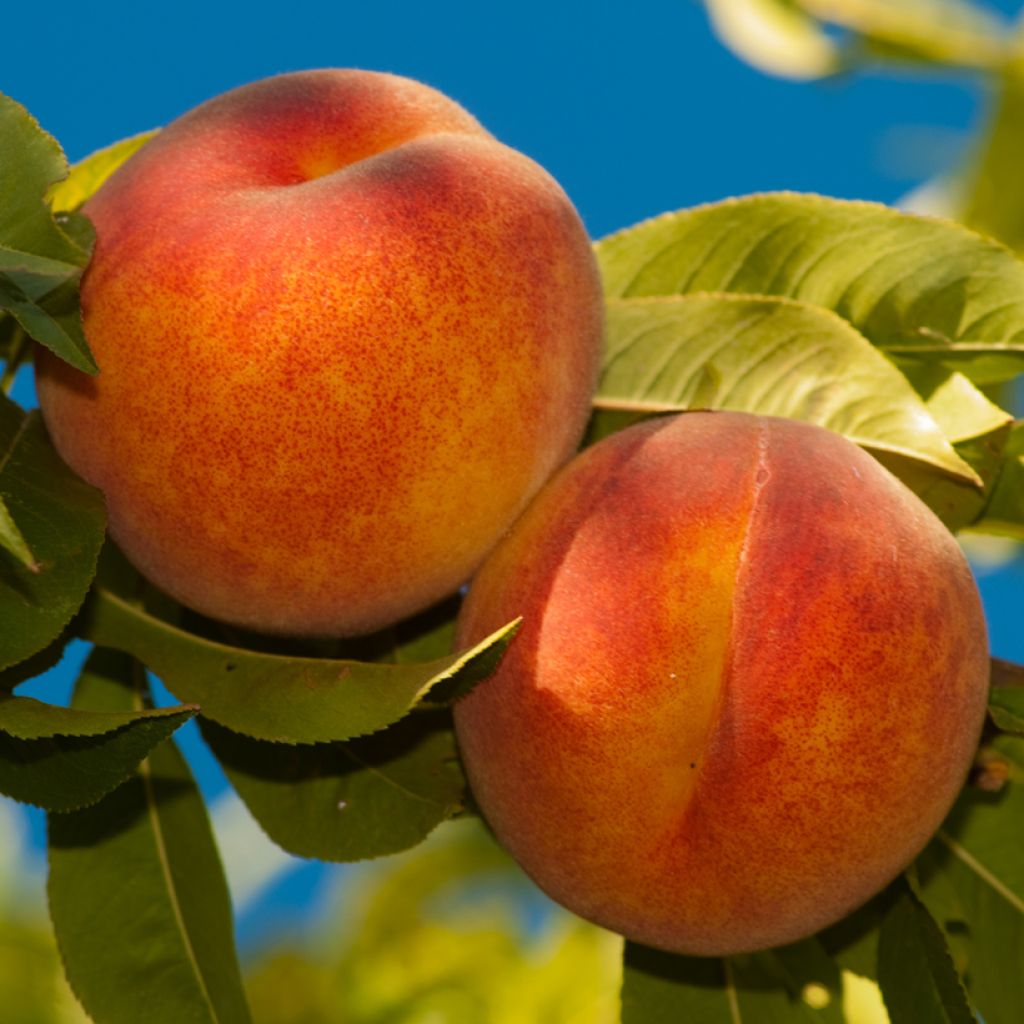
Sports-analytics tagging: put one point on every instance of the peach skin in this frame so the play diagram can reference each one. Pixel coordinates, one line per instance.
(343, 334)
(749, 683)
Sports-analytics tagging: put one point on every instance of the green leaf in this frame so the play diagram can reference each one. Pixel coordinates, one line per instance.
(347, 801)
(995, 199)
(37, 253)
(89, 174)
(972, 876)
(720, 351)
(948, 32)
(278, 698)
(962, 411)
(1006, 697)
(853, 942)
(923, 290)
(1004, 512)
(915, 970)
(138, 897)
(35, 275)
(775, 36)
(66, 758)
(987, 831)
(62, 521)
(979, 430)
(36, 664)
(11, 539)
(31, 162)
(61, 333)
(662, 988)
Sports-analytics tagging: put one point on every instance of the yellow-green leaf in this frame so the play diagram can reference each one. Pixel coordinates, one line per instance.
(923, 290)
(770, 356)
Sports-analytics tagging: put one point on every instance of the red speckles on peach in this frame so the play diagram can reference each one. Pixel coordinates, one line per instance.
(350, 385)
(746, 690)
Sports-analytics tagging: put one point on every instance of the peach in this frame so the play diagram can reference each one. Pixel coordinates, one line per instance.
(343, 335)
(749, 683)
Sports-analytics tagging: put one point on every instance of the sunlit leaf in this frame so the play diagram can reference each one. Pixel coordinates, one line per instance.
(915, 970)
(771, 356)
(774, 36)
(61, 520)
(979, 430)
(65, 758)
(137, 893)
(994, 202)
(962, 410)
(923, 290)
(347, 801)
(278, 698)
(87, 175)
(947, 32)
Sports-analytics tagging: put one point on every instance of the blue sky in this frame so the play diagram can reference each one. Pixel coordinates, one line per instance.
(636, 110)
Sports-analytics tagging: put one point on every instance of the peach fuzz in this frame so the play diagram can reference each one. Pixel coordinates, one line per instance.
(343, 334)
(749, 683)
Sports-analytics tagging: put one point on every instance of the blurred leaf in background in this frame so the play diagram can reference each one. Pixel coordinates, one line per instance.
(32, 986)
(451, 932)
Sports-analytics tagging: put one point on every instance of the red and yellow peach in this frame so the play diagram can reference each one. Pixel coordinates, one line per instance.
(748, 686)
(343, 334)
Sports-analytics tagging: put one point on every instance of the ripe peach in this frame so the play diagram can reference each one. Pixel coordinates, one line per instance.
(343, 336)
(749, 683)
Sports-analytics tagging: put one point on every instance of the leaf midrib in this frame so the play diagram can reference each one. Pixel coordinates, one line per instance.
(146, 776)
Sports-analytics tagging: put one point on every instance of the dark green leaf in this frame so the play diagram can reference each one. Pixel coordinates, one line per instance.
(915, 970)
(66, 758)
(972, 876)
(35, 275)
(720, 351)
(31, 162)
(1007, 710)
(661, 988)
(1006, 698)
(62, 520)
(11, 539)
(347, 801)
(796, 984)
(38, 254)
(138, 897)
(278, 698)
(36, 664)
(925, 290)
(423, 637)
(853, 942)
(61, 333)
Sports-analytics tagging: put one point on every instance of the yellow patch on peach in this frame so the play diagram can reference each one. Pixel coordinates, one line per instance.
(344, 335)
(749, 683)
